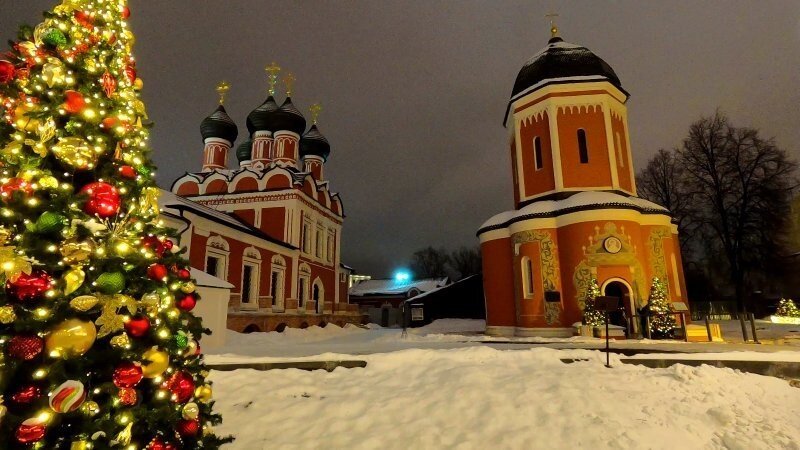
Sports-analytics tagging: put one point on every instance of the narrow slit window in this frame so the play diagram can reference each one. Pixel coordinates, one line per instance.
(537, 152)
(583, 151)
(619, 151)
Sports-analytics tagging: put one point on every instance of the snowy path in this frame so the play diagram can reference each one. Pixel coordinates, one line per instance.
(475, 398)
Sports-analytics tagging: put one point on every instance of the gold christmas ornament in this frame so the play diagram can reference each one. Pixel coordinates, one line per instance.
(76, 152)
(7, 314)
(73, 280)
(190, 411)
(188, 287)
(90, 408)
(79, 445)
(203, 393)
(83, 303)
(71, 338)
(154, 362)
(121, 341)
(12, 264)
(76, 252)
(124, 436)
(149, 201)
(23, 119)
(48, 182)
(53, 72)
(5, 235)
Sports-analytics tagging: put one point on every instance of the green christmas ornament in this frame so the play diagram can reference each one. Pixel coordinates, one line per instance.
(110, 283)
(54, 38)
(181, 340)
(50, 222)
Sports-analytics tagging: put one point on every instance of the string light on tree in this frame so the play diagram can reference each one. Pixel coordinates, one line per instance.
(90, 324)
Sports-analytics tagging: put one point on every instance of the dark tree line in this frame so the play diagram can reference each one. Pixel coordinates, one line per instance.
(431, 262)
(729, 190)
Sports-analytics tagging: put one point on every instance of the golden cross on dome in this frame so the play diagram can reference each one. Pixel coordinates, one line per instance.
(222, 89)
(315, 109)
(272, 75)
(553, 26)
(288, 81)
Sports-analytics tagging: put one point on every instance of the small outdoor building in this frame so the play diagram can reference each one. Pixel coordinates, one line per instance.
(460, 300)
(381, 298)
(213, 306)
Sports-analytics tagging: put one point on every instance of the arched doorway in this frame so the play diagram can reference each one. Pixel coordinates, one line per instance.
(252, 328)
(620, 289)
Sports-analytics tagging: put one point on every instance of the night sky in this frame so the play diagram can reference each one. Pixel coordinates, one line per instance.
(414, 91)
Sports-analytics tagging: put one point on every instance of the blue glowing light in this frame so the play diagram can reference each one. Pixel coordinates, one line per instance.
(402, 276)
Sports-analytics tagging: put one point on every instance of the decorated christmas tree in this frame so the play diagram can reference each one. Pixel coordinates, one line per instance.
(591, 316)
(660, 325)
(99, 346)
(787, 308)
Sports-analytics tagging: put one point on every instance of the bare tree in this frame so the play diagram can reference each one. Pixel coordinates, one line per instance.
(741, 186)
(662, 182)
(466, 261)
(430, 262)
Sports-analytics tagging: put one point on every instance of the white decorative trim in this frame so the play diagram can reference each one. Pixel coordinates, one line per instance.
(543, 332)
(492, 330)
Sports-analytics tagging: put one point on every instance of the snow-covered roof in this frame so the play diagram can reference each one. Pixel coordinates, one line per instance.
(580, 201)
(391, 286)
(204, 279)
(425, 294)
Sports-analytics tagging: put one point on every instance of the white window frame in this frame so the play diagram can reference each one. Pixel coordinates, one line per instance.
(526, 269)
(217, 247)
(251, 258)
(278, 301)
(305, 276)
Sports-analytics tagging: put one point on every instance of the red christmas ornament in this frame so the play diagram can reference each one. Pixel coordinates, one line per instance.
(13, 185)
(137, 326)
(127, 172)
(27, 395)
(188, 428)
(7, 71)
(31, 430)
(104, 200)
(25, 347)
(158, 444)
(127, 396)
(187, 303)
(109, 82)
(29, 287)
(127, 375)
(130, 72)
(84, 19)
(109, 123)
(126, 12)
(157, 271)
(184, 274)
(182, 385)
(74, 102)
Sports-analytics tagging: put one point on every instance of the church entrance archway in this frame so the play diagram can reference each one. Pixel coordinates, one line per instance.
(620, 289)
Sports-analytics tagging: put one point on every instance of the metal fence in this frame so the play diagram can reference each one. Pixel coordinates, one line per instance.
(719, 310)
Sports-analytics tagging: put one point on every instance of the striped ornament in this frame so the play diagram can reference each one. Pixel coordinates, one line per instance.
(67, 397)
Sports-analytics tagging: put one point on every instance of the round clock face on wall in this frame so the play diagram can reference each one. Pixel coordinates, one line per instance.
(612, 244)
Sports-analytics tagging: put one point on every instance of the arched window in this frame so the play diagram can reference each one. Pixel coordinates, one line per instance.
(527, 277)
(583, 151)
(318, 294)
(537, 152)
(251, 274)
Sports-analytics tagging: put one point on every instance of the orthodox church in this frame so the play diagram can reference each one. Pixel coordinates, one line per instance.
(270, 225)
(576, 215)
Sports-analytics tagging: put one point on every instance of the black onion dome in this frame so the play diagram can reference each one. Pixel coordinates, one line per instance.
(562, 60)
(219, 125)
(314, 143)
(289, 118)
(244, 151)
(260, 119)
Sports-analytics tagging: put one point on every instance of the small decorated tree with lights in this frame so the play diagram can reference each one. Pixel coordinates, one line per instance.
(661, 323)
(99, 346)
(591, 316)
(787, 308)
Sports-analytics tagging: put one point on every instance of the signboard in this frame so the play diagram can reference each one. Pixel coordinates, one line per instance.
(606, 303)
(552, 296)
(680, 307)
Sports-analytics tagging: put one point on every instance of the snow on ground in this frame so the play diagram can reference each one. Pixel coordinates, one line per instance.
(732, 330)
(479, 397)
